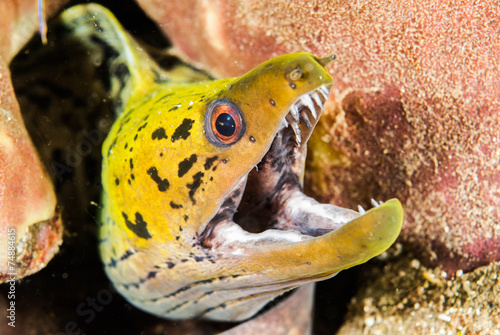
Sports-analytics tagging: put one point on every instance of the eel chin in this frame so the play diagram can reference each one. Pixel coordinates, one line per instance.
(268, 218)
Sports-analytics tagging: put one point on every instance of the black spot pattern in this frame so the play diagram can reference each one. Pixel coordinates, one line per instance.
(126, 255)
(163, 184)
(174, 205)
(193, 285)
(182, 132)
(159, 134)
(112, 264)
(140, 226)
(142, 127)
(209, 161)
(186, 165)
(193, 187)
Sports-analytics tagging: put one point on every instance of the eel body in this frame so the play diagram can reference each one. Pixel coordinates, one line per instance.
(203, 214)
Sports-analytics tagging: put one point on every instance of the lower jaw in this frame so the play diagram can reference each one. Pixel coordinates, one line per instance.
(303, 256)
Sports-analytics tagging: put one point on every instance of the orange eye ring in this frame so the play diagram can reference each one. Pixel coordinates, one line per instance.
(224, 124)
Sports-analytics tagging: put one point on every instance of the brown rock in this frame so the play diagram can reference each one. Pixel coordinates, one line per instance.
(406, 297)
(27, 198)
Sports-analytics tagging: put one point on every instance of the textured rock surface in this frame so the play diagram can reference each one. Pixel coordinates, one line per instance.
(27, 198)
(414, 110)
(405, 297)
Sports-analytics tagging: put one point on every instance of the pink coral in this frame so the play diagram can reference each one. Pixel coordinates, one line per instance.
(27, 198)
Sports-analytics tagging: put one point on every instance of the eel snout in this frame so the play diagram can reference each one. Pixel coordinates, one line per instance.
(267, 210)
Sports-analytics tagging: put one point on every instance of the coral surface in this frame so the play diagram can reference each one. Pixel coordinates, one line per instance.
(405, 297)
(27, 199)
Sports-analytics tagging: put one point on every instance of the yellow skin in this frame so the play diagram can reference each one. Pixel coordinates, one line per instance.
(165, 177)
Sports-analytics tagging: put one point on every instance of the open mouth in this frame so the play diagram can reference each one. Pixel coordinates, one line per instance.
(268, 207)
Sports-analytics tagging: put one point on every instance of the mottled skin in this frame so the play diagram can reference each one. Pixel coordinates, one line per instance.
(171, 185)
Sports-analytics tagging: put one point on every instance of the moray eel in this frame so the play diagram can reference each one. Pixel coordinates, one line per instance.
(203, 214)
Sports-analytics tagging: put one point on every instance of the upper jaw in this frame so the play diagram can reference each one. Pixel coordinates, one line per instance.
(308, 106)
(285, 157)
(270, 209)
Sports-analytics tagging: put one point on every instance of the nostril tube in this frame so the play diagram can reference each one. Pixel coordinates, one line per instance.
(324, 61)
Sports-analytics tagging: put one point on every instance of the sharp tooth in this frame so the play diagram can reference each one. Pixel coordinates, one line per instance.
(284, 123)
(296, 130)
(307, 122)
(324, 94)
(361, 210)
(323, 90)
(295, 112)
(374, 203)
(317, 99)
(307, 101)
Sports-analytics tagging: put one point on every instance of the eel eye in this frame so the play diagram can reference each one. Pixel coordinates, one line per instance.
(224, 123)
(295, 74)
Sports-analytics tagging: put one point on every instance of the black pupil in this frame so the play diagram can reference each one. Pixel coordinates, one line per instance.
(225, 125)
